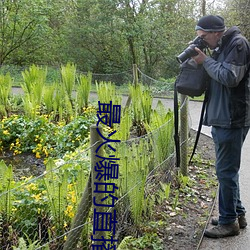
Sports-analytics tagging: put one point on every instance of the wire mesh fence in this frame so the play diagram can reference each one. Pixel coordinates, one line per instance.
(90, 201)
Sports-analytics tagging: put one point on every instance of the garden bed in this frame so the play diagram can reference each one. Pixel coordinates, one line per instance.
(179, 221)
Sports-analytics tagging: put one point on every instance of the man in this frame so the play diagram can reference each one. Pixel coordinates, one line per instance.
(228, 112)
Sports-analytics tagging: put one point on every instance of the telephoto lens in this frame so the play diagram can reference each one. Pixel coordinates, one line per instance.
(190, 50)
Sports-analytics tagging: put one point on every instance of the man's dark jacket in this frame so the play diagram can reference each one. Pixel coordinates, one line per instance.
(229, 90)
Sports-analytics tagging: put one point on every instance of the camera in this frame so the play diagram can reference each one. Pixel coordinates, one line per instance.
(190, 51)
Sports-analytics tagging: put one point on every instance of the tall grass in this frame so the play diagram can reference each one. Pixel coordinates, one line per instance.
(33, 86)
(6, 184)
(141, 103)
(106, 92)
(161, 128)
(48, 98)
(5, 90)
(68, 74)
(56, 183)
(83, 91)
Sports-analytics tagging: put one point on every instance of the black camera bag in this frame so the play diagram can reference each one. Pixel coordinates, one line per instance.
(192, 80)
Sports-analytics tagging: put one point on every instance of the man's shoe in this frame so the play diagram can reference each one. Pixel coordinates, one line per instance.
(221, 231)
(241, 219)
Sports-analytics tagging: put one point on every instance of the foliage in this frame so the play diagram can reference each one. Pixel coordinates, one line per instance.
(161, 126)
(56, 183)
(6, 184)
(106, 92)
(5, 90)
(23, 28)
(141, 110)
(34, 81)
(43, 137)
(42, 206)
(30, 204)
(236, 13)
(83, 90)
(22, 245)
(123, 129)
(107, 95)
(105, 36)
(48, 98)
(68, 74)
(51, 201)
(136, 175)
(147, 241)
(55, 100)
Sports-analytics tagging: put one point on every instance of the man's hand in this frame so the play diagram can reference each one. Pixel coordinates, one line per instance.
(200, 58)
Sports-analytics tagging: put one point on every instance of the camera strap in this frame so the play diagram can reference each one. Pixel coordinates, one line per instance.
(199, 127)
(176, 127)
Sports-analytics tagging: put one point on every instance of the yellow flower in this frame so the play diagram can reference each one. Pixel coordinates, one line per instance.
(73, 199)
(17, 152)
(37, 196)
(31, 187)
(14, 209)
(69, 211)
(45, 151)
(38, 156)
(6, 132)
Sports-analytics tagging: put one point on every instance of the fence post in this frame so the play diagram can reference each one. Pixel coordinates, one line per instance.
(135, 82)
(86, 200)
(135, 74)
(184, 135)
(95, 141)
(80, 218)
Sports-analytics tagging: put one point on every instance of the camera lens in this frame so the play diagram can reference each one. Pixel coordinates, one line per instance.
(187, 53)
(190, 50)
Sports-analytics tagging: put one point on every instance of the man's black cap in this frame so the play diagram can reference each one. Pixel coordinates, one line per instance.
(210, 23)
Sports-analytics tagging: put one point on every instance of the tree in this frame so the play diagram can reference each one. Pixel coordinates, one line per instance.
(237, 13)
(102, 36)
(108, 36)
(20, 22)
(94, 40)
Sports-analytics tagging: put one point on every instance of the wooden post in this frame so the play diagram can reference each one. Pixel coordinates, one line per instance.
(135, 82)
(80, 218)
(96, 141)
(135, 74)
(184, 135)
(88, 194)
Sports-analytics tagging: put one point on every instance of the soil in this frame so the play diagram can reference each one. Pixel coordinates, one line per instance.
(25, 164)
(188, 221)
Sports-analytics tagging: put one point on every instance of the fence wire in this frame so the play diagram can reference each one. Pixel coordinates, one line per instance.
(44, 211)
